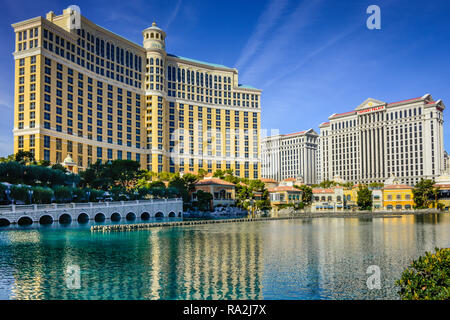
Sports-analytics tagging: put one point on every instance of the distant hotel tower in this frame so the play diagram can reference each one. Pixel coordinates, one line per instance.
(291, 155)
(378, 140)
(91, 94)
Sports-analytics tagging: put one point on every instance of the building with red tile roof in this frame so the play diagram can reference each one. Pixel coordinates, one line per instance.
(378, 139)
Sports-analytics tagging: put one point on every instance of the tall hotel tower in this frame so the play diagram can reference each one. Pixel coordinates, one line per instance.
(291, 155)
(379, 140)
(83, 91)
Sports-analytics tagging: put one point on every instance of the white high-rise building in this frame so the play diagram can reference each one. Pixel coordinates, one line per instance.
(290, 156)
(379, 139)
(446, 163)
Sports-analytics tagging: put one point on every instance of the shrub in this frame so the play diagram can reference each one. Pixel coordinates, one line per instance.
(20, 193)
(96, 195)
(42, 195)
(62, 194)
(428, 278)
(79, 195)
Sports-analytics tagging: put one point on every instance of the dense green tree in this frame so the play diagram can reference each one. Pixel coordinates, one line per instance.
(201, 173)
(9, 158)
(364, 198)
(42, 195)
(306, 193)
(11, 172)
(219, 174)
(180, 188)
(424, 193)
(58, 166)
(190, 180)
(63, 194)
(20, 193)
(125, 172)
(204, 200)
(24, 157)
(327, 184)
(376, 185)
(44, 163)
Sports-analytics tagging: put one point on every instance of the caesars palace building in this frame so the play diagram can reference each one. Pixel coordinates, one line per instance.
(379, 140)
(85, 92)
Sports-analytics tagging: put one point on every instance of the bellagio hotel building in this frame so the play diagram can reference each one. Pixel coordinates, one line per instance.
(379, 140)
(83, 91)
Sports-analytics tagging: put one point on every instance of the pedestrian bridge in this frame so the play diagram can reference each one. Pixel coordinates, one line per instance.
(83, 212)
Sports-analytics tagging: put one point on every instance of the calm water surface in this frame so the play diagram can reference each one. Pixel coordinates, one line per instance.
(321, 258)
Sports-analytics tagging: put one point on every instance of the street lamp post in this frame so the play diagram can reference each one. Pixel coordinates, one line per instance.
(30, 193)
(8, 192)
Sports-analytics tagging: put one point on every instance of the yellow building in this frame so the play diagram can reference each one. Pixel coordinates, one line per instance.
(398, 197)
(443, 194)
(83, 91)
(285, 195)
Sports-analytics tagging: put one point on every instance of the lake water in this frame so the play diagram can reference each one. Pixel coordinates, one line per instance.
(320, 258)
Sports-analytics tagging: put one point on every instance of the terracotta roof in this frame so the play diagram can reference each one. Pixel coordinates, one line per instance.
(217, 181)
(320, 190)
(283, 188)
(341, 114)
(266, 180)
(353, 111)
(404, 100)
(442, 186)
(290, 179)
(397, 186)
(291, 134)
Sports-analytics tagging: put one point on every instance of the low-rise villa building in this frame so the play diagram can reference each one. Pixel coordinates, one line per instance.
(377, 199)
(269, 183)
(223, 191)
(443, 194)
(327, 199)
(290, 182)
(285, 195)
(398, 197)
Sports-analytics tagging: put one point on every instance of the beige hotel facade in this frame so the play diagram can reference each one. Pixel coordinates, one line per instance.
(378, 140)
(292, 155)
(83, 91)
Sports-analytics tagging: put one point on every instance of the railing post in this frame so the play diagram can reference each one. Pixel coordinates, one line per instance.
(90, 204)
(55, 206)
(73, 205)
(13, 208)
(34, 207)
(107, 204)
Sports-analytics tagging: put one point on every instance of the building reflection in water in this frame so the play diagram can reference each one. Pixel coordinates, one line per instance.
(181, 263)
(323, 258)
(327, 258)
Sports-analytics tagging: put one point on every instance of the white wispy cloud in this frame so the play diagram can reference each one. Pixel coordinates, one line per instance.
(266, 21)
(277, 43)
(308, 57)
(173, 15)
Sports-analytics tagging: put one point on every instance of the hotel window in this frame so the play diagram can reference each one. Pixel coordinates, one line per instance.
(20, 142)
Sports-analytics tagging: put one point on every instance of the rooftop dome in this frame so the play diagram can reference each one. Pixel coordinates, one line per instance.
(154, 27)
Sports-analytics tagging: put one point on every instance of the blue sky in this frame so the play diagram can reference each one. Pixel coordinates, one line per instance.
(311, 58)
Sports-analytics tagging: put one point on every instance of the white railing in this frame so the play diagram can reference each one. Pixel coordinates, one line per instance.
(73, 205)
